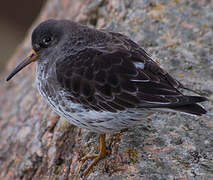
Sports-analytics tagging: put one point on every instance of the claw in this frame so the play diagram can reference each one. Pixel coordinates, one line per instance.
(97, 157)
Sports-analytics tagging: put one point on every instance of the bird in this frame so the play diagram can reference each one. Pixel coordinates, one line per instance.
(101, 80)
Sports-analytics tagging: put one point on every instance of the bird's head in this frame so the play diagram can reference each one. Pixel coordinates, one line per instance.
(45, 38)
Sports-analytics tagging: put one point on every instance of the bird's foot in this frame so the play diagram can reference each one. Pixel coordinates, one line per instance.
(97, 157)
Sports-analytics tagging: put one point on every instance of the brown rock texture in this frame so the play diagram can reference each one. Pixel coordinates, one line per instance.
(35, 143)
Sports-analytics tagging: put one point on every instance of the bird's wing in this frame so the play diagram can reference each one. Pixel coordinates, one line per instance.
(116, 80)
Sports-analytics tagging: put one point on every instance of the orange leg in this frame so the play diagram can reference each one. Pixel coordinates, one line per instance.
(97, 157)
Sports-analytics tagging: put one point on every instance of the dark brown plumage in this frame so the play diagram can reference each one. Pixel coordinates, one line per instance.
(110, 81)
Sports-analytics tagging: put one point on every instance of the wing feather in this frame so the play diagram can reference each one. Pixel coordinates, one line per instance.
(120, 79)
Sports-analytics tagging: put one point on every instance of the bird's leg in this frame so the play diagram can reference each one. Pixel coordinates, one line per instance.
(97, 157)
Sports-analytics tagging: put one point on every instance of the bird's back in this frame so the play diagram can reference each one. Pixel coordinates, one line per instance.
(117, 75)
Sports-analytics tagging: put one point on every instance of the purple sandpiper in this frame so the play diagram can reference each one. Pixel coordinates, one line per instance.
(101, 80)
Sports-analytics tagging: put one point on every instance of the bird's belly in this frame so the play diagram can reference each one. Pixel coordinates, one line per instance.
(79, 115)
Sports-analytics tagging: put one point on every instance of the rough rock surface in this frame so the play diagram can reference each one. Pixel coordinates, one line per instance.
(36, 144)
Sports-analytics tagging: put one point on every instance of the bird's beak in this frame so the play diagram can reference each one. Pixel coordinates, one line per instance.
(31, 57)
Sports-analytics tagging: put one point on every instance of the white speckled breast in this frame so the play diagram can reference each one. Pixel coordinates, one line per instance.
(79, 115)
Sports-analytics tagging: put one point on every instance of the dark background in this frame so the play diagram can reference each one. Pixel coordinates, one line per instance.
(15, 19)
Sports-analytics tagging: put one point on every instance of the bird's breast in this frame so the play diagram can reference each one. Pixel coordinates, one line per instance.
(60, 100)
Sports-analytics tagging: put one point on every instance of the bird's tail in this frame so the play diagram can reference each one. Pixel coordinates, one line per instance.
(192, 108)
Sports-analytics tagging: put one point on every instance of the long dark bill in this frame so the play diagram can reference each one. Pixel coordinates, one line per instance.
(32, 56)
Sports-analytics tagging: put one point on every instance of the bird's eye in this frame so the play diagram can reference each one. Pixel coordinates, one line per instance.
(47, 40)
